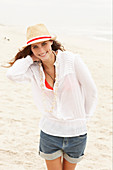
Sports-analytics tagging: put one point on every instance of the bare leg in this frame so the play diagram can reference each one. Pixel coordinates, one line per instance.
(68, 166)
(54, 164)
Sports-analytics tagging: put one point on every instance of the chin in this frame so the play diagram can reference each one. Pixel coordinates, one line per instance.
(45, 58)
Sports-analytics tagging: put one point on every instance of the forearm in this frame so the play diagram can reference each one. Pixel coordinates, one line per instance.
(90, 100)
(20, 69)
(88, 85)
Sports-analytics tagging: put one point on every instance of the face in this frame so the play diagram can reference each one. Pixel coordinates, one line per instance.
(42, 50)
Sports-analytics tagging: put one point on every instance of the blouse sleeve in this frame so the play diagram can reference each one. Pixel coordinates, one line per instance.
(89, 88)
(20, 71)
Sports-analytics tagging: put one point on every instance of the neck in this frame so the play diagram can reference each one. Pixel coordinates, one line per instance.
(50, 62)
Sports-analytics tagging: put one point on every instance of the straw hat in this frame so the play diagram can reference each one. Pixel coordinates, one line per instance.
(37, 33)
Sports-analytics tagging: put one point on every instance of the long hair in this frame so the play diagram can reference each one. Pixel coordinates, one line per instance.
(27, 51)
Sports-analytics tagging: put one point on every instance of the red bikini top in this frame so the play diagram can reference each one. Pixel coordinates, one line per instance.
(47, 85)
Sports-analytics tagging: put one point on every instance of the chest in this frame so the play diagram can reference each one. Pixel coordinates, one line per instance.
(50, 75)
(64, 68)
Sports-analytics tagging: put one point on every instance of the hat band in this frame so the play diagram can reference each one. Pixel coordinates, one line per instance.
(38, 38)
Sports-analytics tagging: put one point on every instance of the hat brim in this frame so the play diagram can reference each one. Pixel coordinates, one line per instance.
(40, 40)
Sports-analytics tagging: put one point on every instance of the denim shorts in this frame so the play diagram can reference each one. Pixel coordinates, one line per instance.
(71, 148)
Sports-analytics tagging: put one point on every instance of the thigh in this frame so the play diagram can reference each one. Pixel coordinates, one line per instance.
(50, 146)
(49, 143)
(68, 166)
(55, 164)
(74, 150)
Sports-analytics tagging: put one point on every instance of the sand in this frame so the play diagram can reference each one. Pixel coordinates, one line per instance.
(19, 117)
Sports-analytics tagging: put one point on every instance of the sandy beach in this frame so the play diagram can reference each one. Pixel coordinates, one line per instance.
(19, 117)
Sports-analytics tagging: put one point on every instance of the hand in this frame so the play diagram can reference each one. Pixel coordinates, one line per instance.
(34, 58)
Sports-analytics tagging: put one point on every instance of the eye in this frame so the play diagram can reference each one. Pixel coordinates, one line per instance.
(35, 46)
(44, 43)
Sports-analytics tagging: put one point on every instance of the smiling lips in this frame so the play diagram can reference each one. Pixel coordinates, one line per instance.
(43, 55)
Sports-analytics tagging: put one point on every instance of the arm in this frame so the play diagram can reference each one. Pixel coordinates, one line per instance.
(20, 70)
(89, 88)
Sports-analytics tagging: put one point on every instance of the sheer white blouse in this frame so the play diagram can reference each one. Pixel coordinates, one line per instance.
(74, 94)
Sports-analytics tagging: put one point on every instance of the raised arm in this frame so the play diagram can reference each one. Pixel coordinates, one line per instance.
(89, 88)
(20, 70)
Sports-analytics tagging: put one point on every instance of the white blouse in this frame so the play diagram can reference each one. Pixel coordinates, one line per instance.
(66, 108)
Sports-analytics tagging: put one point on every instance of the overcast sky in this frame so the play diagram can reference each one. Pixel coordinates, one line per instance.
(58, 13)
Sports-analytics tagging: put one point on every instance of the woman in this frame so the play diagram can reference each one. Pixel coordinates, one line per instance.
(64, 93)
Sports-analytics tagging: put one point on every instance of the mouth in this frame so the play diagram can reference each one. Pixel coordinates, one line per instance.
(43, 55)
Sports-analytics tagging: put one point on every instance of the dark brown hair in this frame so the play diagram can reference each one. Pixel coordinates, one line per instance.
(27, 51)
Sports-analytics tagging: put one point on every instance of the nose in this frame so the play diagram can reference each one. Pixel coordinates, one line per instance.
(41, 51)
